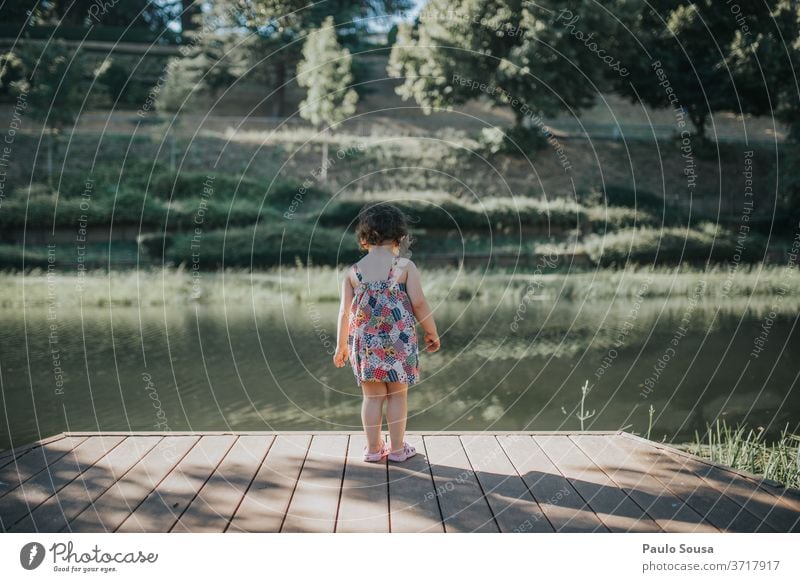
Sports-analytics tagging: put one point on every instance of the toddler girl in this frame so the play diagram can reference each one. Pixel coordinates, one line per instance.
(382, 300)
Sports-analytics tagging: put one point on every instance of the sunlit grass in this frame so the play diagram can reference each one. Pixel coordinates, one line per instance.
(746, 449)
(168, 286)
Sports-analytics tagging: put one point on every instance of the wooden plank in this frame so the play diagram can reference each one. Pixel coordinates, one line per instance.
(53, 514)
(212, 509)
(701, 494)
(164, 505)
(790, 495)
(769, 485)
(315, 501)
(7, 455)
(364, 505)
(786, 502)
(317, 481)
(512, 504)
(266, 501)
(413, 507)
(773, 512)
(561, 504)
(464, 507)
(109, 510)
(38, 489)
(668, 510)
(615, 509)
(33, 461)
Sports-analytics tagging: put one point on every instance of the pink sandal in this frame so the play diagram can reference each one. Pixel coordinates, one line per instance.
(407, 452)
(376, 457)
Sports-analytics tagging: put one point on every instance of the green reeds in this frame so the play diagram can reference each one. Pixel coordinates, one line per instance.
(747, 449)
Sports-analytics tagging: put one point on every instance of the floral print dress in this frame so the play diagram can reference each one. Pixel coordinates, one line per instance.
(382, 335)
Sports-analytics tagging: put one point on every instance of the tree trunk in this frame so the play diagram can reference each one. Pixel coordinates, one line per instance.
(279, 103)
(323, 174)
(519, 119)
(50, 147)
(699, 122)
(190, 8)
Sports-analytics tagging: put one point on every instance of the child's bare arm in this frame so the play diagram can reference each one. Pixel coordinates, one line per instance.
(422, 311)
(343, 324)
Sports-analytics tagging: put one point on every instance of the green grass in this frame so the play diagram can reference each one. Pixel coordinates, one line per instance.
(670, 246)
(162, 200)
(498, 213)
(267, 245)
(177, 285)
(747, 449)
(453, 201)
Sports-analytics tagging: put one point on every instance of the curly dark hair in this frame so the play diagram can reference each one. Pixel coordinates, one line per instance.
(380, 222)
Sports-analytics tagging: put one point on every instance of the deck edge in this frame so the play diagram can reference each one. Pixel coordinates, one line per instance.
(4, 454)
(332, 432)
(773, 486)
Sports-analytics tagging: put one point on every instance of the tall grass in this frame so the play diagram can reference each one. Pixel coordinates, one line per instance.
(747, 449)
(171, 285)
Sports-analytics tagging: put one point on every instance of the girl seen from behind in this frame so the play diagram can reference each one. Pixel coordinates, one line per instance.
(382, 301)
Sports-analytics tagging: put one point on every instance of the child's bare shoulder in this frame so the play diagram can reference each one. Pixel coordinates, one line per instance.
(406, 263)
(350, 274)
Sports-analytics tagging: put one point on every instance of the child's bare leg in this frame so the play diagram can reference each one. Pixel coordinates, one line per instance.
(396, 413)
(372, 413)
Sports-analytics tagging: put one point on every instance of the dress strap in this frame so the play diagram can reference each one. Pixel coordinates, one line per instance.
(391, 269)
(358, 273)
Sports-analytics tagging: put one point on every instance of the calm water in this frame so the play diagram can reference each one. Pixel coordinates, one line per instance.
(213, 369)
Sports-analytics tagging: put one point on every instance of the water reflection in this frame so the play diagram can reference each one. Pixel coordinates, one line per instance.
(202, 368)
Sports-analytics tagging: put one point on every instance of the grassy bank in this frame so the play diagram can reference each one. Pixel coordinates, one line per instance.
(773, 285)
(242, 193)
(448, 161)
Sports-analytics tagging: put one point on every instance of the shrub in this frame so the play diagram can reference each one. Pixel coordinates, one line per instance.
(264, 245)
(622, 196)
(130, 207)
(514, 141)
(43, 212)
(654, 209)
(190, 185)
(669, 246)
(449, 213)
(611, 218)
(11, 257)
(123, 88)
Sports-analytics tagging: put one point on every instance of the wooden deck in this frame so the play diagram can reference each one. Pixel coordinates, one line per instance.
(317, 482)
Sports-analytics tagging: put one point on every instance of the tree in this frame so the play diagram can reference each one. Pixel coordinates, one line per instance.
(704, 53)
(325, 72)
(766, 64)
(280, 26)
(133, 13)
(189, 13)
(210, 66)
(521, 55)
(55, 84)
(154, 16)
(745, 62)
